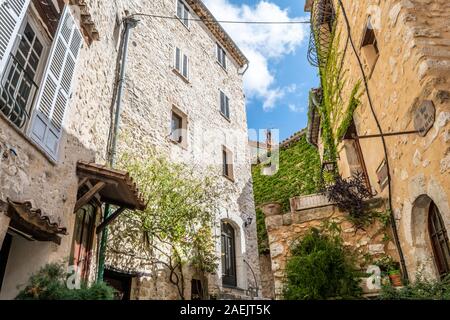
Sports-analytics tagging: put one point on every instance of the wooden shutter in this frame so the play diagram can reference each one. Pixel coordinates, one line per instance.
(56, 87)
(12, 13)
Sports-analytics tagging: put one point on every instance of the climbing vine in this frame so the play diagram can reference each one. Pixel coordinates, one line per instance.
(335, 115)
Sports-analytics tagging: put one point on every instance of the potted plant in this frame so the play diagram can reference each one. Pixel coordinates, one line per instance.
(390, 269)
(395, 277)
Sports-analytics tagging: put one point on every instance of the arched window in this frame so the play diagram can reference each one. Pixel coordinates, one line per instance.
(228, 255)
(439, 240)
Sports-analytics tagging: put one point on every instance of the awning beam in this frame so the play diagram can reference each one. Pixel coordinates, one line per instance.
(110, 219)
(89, 195)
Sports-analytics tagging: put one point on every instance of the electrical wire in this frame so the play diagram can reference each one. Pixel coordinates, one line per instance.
(366, 85)
(213, 20)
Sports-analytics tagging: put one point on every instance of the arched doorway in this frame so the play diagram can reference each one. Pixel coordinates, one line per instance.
(228, 255)
(439, 240)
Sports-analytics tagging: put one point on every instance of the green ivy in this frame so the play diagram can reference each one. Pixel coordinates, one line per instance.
(263, 239)
(348, 116)
(335, 116)
(298, 174)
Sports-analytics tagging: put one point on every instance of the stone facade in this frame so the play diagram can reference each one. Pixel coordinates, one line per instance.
(152, 89)
(412, 68)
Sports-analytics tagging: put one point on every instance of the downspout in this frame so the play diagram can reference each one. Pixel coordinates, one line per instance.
(130, 23)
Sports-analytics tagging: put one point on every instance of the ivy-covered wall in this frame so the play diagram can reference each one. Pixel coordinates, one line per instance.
(298, 174)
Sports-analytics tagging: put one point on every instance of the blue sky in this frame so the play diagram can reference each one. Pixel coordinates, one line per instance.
(279, 78)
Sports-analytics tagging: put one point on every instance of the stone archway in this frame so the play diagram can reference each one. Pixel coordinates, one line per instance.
(423, 253)
(240, 244)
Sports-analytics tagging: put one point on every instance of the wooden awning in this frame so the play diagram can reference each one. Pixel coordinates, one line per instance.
(32, 223)
(107, 185)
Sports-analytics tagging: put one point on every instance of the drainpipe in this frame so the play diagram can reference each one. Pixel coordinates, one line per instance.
(130, 23)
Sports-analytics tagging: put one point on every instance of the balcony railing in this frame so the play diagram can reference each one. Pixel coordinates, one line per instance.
(322, 23)
(17, 93)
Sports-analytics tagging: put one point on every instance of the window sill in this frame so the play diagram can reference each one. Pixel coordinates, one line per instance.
(226, 118)
(181, 21)
(29, 140)
(182, 145)
(178, 73)
(228, 178)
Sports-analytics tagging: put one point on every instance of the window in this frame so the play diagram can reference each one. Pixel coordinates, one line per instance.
(183, 12)
(178, 127)
(221, 56)
(228, 255)
(181, 63)
(23, 72)
(224, 105)
(35, 87)
(369, 47)
(439, 240)
(227, 163)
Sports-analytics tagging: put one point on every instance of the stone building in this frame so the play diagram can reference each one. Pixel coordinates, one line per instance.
(59, 65)
(395, 130)
(383, 111)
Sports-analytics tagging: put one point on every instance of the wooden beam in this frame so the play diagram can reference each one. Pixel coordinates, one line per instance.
(89, 195)
(97, 196)
(82, 182)
(110, 219)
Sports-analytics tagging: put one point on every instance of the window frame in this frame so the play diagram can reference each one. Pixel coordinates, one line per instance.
(226, 114)
(31, 18)
(369, 48)
(228, 279)
(184, 8)
(183, 65)
(177, 112)
(227, 163)
(221, 56)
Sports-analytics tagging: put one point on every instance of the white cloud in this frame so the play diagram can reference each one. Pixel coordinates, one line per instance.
(295, 108)
(261, 43)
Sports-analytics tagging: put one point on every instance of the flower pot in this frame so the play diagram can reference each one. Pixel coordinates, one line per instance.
(396, 278)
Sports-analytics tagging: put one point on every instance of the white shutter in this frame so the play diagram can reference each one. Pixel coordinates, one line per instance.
(12, 13)
(56, 87)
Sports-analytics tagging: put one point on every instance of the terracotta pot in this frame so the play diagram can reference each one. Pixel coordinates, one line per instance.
(396, 278)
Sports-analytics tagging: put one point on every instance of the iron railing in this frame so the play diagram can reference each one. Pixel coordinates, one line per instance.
(322, 23)
(17, 93)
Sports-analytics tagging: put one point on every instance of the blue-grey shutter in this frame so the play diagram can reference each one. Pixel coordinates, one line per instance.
(12, 13)
(46, 128)
(178, 59)
(185, 66)
(222, 102)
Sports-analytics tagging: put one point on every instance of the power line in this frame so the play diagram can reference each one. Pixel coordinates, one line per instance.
(220, 21)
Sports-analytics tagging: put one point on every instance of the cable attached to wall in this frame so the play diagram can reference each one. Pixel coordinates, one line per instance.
(366, 85)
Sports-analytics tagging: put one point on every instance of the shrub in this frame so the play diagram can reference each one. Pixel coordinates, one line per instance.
(321, 268)
(49, 283)
(421, 289)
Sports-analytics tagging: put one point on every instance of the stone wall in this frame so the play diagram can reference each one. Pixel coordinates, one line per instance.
(285, 228)
(413, 66)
